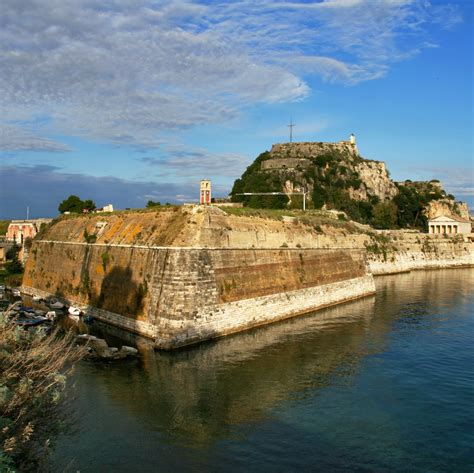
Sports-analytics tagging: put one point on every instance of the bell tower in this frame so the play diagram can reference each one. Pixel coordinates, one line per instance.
(205, 192)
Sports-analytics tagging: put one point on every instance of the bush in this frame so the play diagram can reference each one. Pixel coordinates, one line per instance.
(89, 237)
(14, 266)
(385, 215)
(33, 370)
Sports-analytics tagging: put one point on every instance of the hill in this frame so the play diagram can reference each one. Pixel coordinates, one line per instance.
(335, 176)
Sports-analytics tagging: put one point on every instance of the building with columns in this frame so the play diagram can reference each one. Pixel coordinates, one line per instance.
(444, 225)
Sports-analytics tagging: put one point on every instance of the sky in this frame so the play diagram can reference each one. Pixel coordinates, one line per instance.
(127, 101)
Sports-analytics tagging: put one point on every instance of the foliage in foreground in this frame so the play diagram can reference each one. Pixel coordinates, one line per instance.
(33, 371)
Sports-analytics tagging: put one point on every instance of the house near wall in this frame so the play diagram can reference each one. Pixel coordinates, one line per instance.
(452, 225)
(19, 230)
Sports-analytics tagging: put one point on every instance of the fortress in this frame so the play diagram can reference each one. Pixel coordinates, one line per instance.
(186, 274)
(291, 162)
(312, 149)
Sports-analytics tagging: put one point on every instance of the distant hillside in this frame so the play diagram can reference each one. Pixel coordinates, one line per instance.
(335, 176)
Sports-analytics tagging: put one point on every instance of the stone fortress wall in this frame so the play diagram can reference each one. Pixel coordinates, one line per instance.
(312, 149)
(190, 274)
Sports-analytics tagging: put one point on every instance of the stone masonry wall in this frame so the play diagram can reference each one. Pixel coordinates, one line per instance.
(311, 149)
(180, 295)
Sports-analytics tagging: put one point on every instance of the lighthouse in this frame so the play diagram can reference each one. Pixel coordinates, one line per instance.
(352, 139)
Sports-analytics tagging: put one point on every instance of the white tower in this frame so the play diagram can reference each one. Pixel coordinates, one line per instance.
(352, 139)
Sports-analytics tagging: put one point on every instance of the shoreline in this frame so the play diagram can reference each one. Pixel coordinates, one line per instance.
(149, 331)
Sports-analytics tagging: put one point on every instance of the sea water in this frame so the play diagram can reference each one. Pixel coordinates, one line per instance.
(382, 384)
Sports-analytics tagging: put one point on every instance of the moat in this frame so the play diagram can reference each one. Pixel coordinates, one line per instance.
(384, 383)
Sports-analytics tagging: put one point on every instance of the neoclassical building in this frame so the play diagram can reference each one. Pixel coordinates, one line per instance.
(443, 225)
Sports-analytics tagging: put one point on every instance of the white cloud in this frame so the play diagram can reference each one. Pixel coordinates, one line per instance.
(14, 138)
(181, 162)
(130, 71)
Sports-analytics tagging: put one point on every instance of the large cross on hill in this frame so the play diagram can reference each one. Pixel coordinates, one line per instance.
(290, 126)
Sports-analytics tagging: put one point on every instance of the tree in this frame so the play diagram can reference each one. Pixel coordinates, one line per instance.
(152, 203)
(74, 204)
(385, 215)
(14, 266)
(89, 205)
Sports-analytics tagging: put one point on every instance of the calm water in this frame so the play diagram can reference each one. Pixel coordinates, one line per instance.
(383, 384)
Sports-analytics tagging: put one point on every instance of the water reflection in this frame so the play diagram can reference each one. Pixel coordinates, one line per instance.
(199, 396)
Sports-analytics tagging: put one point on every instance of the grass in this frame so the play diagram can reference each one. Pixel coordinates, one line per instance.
(158, 208)
(314, 218)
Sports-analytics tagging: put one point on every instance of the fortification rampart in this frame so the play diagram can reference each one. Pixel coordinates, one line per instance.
(312, 149)
(179, 296)
(190, 275)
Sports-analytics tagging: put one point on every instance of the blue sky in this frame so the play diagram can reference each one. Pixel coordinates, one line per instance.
(131, 100)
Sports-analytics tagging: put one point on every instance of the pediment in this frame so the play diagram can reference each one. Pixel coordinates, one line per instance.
(444, 218)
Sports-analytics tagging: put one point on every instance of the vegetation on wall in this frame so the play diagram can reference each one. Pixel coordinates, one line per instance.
(89, 237)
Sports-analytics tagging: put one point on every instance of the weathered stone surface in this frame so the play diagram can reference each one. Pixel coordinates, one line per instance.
(377, 181)
(311, 149)
(447, 208)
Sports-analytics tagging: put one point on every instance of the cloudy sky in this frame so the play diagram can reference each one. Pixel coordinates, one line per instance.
(129, 100)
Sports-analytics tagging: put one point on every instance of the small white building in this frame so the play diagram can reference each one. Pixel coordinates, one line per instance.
(105, 208)
(444, 225)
